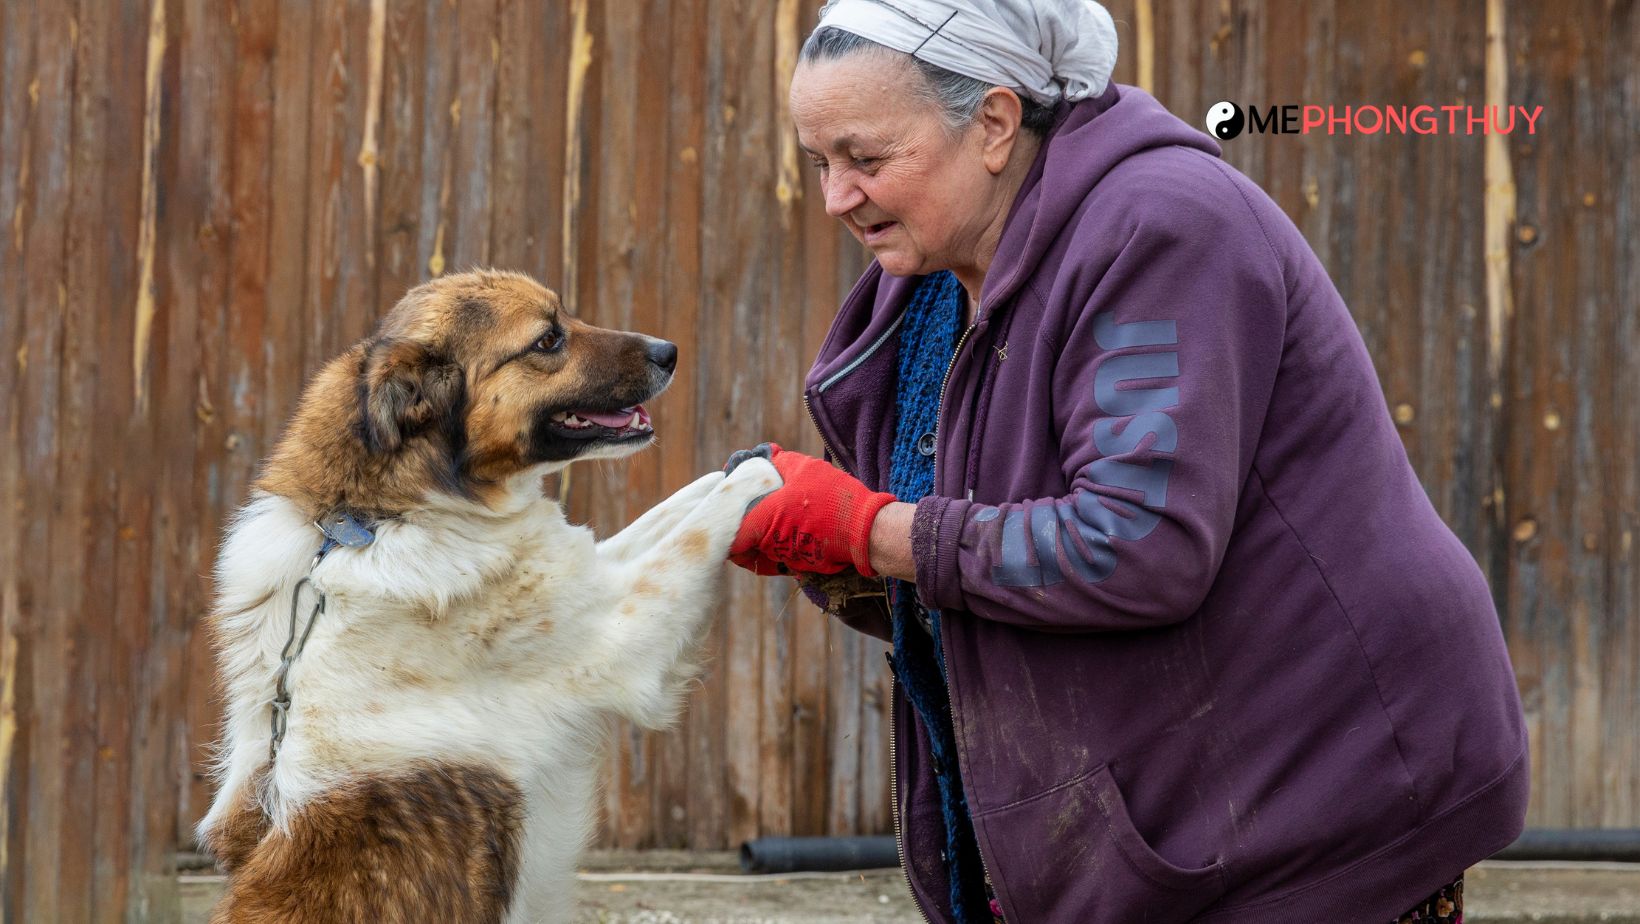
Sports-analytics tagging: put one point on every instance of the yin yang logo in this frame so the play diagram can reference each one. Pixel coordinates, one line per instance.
(1224, 120)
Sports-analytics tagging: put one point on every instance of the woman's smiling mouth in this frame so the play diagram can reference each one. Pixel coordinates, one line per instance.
(874, 233)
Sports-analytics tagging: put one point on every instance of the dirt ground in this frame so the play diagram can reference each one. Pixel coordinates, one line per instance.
(668, 887)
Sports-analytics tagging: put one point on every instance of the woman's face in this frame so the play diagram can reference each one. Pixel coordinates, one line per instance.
(915, 192)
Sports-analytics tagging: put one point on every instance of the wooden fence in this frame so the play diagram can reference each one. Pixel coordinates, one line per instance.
(201, 200)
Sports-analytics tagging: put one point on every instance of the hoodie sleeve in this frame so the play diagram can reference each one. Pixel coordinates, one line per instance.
(1159, 393)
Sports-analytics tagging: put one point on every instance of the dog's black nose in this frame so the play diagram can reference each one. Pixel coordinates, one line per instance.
(664, 353)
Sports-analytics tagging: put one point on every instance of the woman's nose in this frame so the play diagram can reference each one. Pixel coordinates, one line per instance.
(842, 196)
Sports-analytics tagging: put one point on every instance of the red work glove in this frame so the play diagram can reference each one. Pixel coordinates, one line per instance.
(819, 521)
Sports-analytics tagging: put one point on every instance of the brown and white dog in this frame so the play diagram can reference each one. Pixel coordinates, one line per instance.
(441, 755)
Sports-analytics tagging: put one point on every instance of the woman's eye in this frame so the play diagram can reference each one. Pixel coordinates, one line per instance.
(818, 165)
(550, 341)
(866, 163)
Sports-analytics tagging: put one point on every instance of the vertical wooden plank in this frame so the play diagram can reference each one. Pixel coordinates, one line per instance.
(709, 794)
(109, 110)
(161, 506)
(249, 306)
(1135, 22)
(512, 145)
(144, 66)
(1534, 507)
(328, 81)
(616, 33)
(550, 63)
(875, 773)
(342, 245)
(847, 683)
(575, 227)
(44, 222)
(399, 265)
(196, 239)
(580, 215)
(777, 310)
(99, 760)
(473, 114)
(1570, 422)
(360, 302)
(1286, 168)
(645, 245)
(741, 299)
(438, 107)
(178, 326)
(1312, 39)
(689, 808)
(287, 249)
(775, 744)
(1449, 422)
(84, 647)
(1618, 216)
(16, 110)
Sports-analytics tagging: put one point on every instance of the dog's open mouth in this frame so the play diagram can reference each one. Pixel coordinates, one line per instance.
(628, 421)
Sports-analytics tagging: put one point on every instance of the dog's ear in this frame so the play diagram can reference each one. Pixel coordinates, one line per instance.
(406, 388)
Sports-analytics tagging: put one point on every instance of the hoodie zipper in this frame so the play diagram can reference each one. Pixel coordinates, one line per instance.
(894, 800)
(856, 361)
(949, 368)
(835, 376)
(961, 341)
(823, 441)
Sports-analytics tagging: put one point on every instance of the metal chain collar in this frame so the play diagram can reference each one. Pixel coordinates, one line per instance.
(293, 649)
(340, 528)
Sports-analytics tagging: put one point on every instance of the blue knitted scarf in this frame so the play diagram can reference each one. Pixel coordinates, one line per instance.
(928, 336)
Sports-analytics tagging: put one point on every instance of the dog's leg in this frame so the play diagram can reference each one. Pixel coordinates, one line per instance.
(667, 593)
(659, 520)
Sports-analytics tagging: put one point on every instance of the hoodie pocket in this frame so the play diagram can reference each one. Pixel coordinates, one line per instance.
(1072, 854)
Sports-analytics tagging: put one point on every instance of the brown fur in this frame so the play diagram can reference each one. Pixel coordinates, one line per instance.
(439, 843)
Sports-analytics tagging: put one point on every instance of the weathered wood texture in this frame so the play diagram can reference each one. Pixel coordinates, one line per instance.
(200, 201)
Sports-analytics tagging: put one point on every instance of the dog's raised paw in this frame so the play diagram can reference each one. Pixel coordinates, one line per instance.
(756, 474)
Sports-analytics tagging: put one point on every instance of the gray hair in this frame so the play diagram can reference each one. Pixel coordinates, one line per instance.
(958, 95)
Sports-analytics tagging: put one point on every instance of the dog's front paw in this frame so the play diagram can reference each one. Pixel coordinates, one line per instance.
(753, 478)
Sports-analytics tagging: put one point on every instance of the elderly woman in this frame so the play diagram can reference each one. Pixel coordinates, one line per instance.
(1176, 633)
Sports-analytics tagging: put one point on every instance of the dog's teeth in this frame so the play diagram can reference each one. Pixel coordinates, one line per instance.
(634, 422)
(561, 416)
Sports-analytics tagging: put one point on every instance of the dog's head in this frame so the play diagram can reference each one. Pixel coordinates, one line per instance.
(470, 379)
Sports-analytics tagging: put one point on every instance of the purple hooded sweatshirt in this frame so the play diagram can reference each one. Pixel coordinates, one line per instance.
(1212, 654)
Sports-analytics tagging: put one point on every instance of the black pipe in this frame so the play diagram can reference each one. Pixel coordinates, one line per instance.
(1575, 844)
(796, 854)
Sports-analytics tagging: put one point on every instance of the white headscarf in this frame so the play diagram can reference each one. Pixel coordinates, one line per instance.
(1050, 49)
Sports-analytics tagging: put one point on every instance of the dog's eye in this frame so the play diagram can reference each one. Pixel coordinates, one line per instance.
(549, 342)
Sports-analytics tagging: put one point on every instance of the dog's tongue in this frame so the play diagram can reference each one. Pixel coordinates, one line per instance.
(614, 420)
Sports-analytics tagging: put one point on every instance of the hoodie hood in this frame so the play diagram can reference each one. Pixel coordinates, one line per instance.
(1090, 139)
